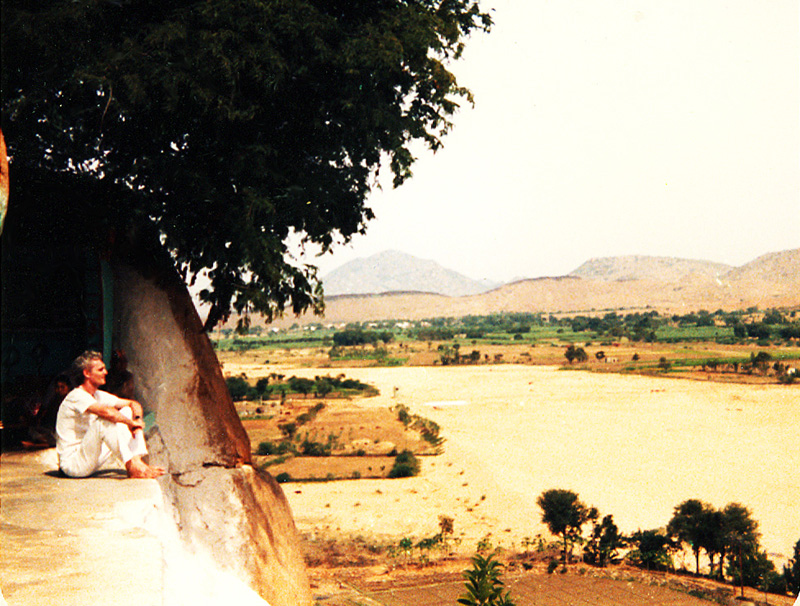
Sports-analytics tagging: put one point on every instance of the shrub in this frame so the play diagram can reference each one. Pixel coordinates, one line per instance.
(483, 585)
(283, 477)
(315, 449)
(266, 448)
(406, 465)
(274, 448)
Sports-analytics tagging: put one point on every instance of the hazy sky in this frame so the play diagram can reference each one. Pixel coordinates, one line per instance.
(609, 128)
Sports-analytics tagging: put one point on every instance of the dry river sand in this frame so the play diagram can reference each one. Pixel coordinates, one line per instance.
(632, 446)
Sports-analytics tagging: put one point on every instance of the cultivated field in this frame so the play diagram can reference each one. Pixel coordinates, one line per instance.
(632, 446)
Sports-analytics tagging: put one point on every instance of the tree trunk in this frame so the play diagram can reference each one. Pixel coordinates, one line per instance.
(227, 514)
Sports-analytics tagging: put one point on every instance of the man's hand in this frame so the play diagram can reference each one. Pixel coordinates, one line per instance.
(115, 415)
(135, 407)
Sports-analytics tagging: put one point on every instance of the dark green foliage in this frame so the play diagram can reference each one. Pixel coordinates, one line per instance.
(283, 477)
(434, 334)
(688, 525)
(265, 448)
(792, 331)
(603, 543)
(222, 127)
(405, 465)
(758, 331)
(358, 336)
(429, 430)
(240, 388)
(315, 449)
(310, 414)
(288, 429)
(483, 584)
(322, 386)
(273, 448)
(761, 360)
(262, 387)
(791, 572)
(301, 385)
(565, 515)
(574, 353)
(650, 550)
(722, 533)
(752, 567)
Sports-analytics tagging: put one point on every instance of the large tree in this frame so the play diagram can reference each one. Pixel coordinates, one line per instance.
(222, 127)
(689, 525)
(565, 514)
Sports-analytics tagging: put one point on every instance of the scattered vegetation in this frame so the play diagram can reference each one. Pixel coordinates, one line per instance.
(429, 430)
(459, 341)
(728, 537)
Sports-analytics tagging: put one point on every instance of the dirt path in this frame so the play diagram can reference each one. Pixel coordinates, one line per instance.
(632, 446)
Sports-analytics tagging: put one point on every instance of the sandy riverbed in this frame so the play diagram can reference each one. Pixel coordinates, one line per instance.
(632, 446)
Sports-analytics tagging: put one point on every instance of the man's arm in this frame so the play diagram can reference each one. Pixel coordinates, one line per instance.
(109, 399)
(111, 413)
(136, 408)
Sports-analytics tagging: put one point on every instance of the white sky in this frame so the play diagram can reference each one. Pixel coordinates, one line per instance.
(652, 127)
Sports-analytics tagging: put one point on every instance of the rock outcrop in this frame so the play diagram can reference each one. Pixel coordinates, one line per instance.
(223, 508)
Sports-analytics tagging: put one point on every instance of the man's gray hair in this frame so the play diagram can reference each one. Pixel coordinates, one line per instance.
(84, 362)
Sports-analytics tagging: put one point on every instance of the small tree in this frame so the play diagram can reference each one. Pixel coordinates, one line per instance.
(650, 549)
(239, 388)
(301, 385)
(604, 542)
(323, 386)
(791, 572)
(483, 585)
(741, 541)
(574, 353)
(564, 515)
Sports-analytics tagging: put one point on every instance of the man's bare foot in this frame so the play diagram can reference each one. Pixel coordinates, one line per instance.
(138, 469)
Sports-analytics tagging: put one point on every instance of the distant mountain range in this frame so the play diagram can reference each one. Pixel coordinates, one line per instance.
(408, 288)
(666, 269)
(394, 271)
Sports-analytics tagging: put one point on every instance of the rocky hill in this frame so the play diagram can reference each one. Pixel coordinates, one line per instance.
(393, 271)
(781, 266)
(665, 269)
(624, 284)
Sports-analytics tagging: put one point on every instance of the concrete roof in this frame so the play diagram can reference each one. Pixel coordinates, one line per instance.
(76, 542)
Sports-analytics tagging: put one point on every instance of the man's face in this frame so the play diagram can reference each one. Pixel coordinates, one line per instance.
(96, 373)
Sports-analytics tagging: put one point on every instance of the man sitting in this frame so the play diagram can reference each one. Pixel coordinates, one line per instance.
(93, 424)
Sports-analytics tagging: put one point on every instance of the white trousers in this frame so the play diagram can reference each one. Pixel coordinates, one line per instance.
(104, 439)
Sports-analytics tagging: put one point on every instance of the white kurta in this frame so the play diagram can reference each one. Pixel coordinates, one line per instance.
(85, 442)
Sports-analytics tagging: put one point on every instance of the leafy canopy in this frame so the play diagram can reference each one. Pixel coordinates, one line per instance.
(565, 514)
(225, 126)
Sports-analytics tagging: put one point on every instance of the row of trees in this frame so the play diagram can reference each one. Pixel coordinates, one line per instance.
(357, 336)
(729, 537)
(241, 389)
(640, 326)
